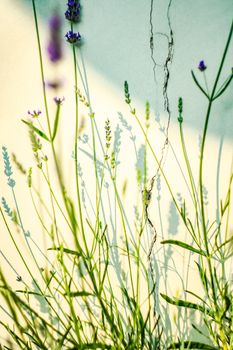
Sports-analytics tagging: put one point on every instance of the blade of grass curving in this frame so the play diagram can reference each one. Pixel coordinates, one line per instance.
(196, 296)
(55, 126)
(62, 340)
(203, 276)
(198, 84)
(38, 131)
(66, 250)
(187, 304)
(184, 245)
(199, 331)
(224, 87)
(17, 339)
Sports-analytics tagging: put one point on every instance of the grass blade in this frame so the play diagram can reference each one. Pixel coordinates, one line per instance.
(38, 131)
(185, 246)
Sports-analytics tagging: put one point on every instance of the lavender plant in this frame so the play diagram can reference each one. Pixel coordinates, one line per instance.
(80, 305)
(99, 291)
(211, 241)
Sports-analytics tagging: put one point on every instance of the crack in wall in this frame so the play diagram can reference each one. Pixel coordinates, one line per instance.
(166, 67)
(167, 70)
(152, 39)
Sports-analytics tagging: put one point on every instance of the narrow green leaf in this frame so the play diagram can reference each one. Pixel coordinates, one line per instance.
(82, 293)
(38, 131)
(226, 203)
(223, 244)
(61, 341)
(191, 345)
(56, 121)
(33, 293)
(66, 250)
(185, 246)
(224, 87)
(203, 276)
(198, 84)
(198, 330)
(196, 296)
(185, 303)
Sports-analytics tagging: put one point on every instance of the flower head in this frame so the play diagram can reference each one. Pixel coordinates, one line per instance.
(34, 114)
(54, 48)
(202, 66)
(55, 22)
(54, 84)
(73, 11)
(72, 37)
(59, 100)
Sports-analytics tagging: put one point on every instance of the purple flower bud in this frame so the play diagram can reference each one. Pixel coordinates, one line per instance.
(72, 37)
(34, 114)
(54, 84)
(202, 66)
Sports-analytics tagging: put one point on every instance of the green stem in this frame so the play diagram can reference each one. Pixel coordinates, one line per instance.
(76, 147)
(59, 172)
(41, 68)
(190, 174)
(201, 162)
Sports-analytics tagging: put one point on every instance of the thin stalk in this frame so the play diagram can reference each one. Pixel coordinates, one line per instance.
(161, 170)
(201, 163)
(76, 147)
(191, 179)
(126, 238)
(58, 169)
(36, 263)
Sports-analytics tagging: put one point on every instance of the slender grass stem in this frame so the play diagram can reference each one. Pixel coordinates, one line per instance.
(192, 183)
(202, 158)
(76, 147)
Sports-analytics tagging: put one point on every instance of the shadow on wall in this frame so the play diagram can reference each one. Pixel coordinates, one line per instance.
(128, 41)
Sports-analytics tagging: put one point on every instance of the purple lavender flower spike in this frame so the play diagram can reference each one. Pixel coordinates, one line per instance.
(55, 22)
(202, 66)
(71, 3)
(73, 11)
(54, 48)
(73, 37)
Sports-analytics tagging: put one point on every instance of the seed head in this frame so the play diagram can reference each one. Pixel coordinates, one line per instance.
(180, 110)
(127, 94)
